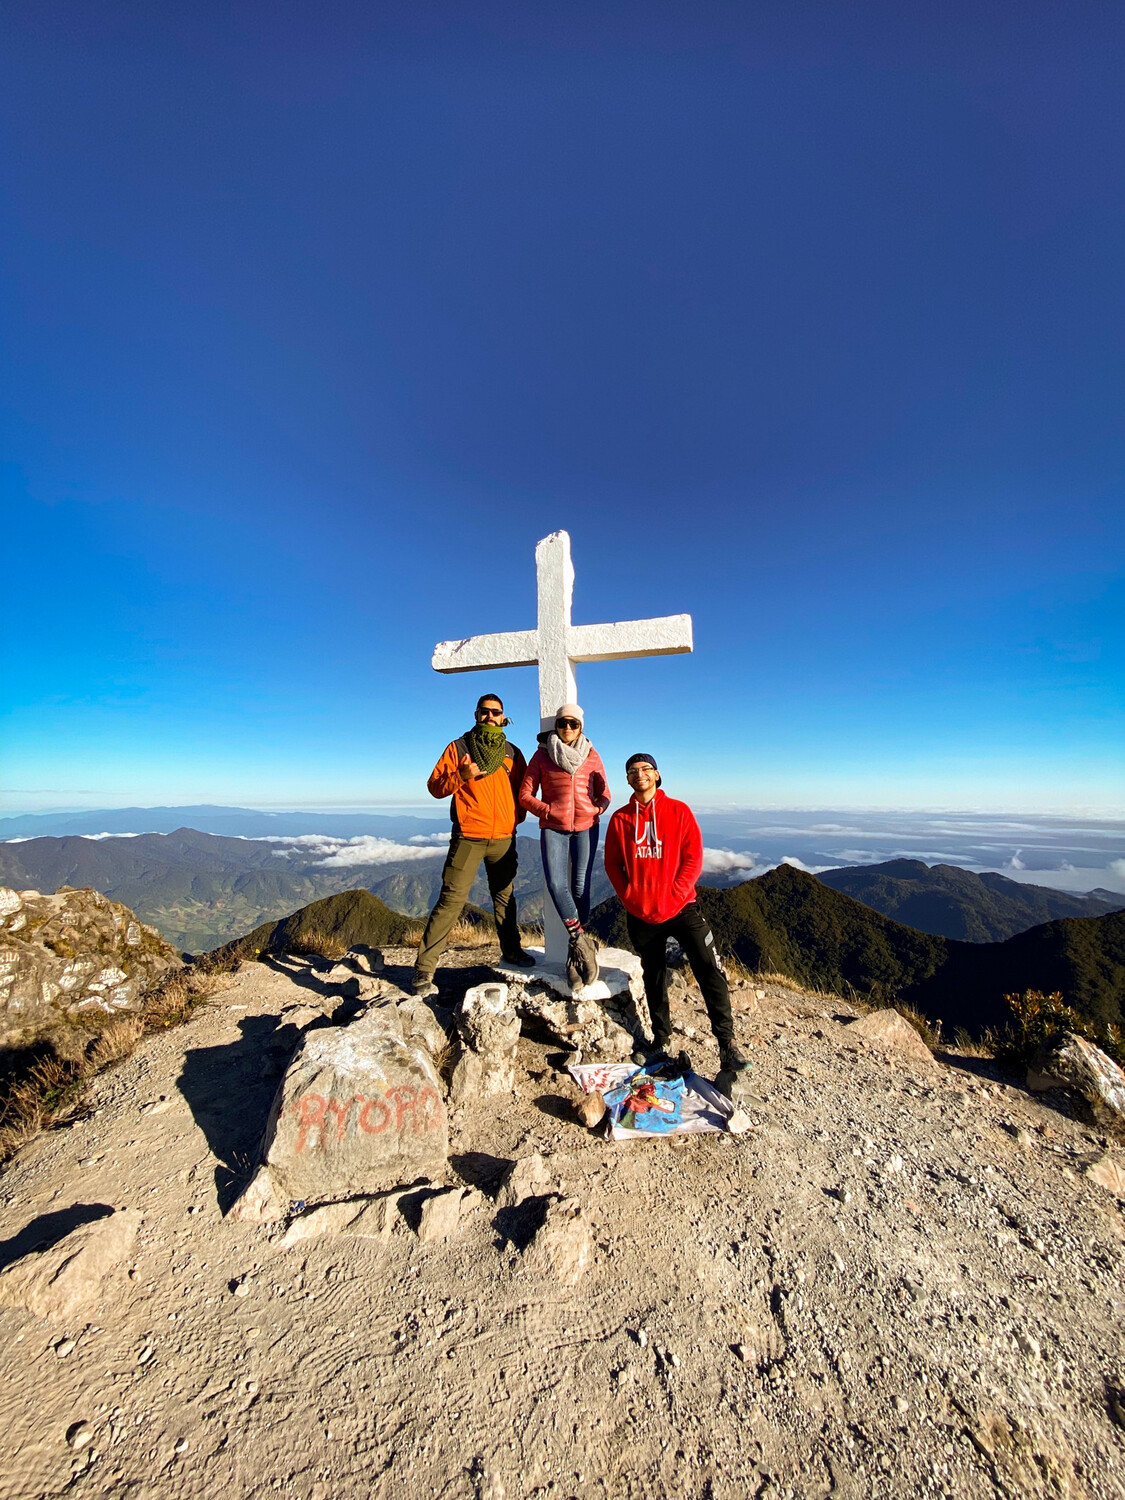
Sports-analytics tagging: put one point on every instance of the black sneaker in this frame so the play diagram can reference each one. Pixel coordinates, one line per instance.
(649, 1052)
(731, 1060)
(520, 960)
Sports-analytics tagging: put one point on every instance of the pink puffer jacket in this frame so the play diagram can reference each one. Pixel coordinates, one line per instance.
(570, 803)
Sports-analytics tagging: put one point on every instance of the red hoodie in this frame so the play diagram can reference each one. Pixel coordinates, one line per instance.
(653, 857)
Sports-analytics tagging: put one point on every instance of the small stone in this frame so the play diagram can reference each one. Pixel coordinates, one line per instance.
(78, 1434)
(378, 1220)
(1028, 1345)
(1108, 1172)
(742, 1352)
(894, 1166)
(64, 1347)
(642, 1338)
(440, 1215)
(738, 1122)
(902, 1405)
(529, 1177)
(563, 1247)
(330, 1219)
(892, 1034)
(145, 1355)
(241, 1287)
(260, 1202)
(181, 1446)
(590, 1110)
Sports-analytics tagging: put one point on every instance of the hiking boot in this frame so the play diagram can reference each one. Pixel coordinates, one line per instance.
(574, 973)
(422, 987)
(587, 957)
(731, 1060)
(520, 959)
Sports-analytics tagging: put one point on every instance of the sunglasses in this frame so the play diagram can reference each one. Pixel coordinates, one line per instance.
(568, 723)
(492, 713)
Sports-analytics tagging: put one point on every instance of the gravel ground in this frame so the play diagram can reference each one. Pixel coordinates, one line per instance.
(898, 1282)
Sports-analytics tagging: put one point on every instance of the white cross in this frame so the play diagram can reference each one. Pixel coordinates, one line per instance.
(555, 646)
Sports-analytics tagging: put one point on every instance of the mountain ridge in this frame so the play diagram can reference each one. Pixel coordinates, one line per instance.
(951, 902)
(792, 923)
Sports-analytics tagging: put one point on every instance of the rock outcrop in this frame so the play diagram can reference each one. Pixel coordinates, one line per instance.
(69, 1279)
(71, 952)
(1073, 1063)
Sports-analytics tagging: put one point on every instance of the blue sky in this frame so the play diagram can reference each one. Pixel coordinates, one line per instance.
(804, 319)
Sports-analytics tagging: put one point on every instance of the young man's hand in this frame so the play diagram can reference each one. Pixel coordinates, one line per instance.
(468, 768)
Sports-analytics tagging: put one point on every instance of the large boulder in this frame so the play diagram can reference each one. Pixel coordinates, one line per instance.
(359, 1111)
(1071, 1062)
(72, 952)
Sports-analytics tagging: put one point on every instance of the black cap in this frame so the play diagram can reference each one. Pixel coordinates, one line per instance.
(649, 759)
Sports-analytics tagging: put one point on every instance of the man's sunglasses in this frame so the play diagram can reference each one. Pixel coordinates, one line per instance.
(568, 723)
(492, 713)
(642, 765)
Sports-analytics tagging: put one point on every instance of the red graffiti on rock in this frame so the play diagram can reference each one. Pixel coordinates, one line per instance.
(323, 1123)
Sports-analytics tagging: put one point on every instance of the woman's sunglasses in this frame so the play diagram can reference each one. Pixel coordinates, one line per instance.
(568, 723)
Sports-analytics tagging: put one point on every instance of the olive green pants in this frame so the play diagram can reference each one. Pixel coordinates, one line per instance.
(457, 876)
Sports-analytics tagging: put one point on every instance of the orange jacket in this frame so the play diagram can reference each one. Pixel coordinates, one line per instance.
(485, 808)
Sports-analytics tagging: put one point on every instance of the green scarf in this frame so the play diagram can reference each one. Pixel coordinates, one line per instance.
(487, 744)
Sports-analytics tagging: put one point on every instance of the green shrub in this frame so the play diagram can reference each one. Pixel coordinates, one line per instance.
(1039, 1020)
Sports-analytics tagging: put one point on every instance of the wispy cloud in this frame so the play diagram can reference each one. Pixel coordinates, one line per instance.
(342, 854)
(727, 861)
(746, 864)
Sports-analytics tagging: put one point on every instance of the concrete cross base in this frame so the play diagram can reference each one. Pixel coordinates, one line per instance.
(619, 973)
(601, 1020)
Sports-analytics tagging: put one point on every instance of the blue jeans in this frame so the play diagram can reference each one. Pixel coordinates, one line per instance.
(568, 863)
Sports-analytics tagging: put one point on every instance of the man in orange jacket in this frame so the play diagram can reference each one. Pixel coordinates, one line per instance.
(481, 771)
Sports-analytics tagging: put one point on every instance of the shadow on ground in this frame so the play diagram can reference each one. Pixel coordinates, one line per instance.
(229, 1091)
(480, 1170)
(519, 1225)
(47, 1230)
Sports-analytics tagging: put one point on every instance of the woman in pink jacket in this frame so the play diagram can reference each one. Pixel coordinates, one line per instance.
(569, 772)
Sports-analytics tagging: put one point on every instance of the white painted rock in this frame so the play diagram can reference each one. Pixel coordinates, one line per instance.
(490, 1029)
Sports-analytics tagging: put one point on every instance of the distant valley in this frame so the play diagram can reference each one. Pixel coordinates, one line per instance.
(203, 889)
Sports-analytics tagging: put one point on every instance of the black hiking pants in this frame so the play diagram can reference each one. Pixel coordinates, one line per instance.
(692, 931)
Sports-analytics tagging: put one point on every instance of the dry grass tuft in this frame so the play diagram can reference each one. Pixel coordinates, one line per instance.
(971, 1046)
(463, 935)
(929, 1031)
(313, 941)
(45, 1082)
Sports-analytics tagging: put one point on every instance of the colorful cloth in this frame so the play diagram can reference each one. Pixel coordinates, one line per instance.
(654, 1106)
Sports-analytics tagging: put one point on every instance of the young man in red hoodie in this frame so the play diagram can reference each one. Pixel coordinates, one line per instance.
(653, 857)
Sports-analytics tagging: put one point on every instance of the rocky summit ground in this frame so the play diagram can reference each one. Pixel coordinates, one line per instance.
(900, 1281)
